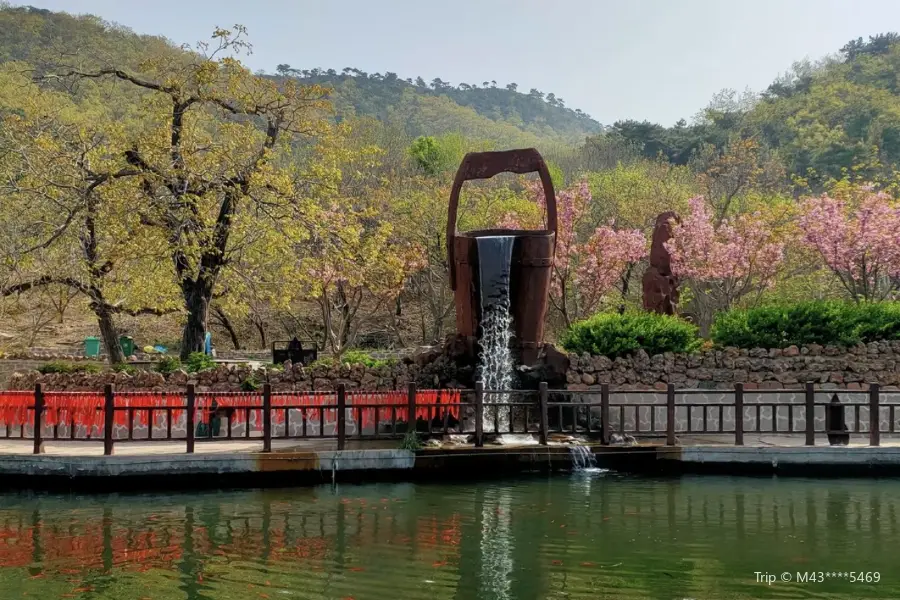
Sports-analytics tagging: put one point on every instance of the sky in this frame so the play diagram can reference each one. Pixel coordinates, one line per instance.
(659, 60)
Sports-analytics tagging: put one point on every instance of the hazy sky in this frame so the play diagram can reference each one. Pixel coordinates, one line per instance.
(643, 59)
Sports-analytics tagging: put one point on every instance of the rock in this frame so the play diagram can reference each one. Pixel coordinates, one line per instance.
(659, 285)
(588, 379)
(620, 439)
(791, 351)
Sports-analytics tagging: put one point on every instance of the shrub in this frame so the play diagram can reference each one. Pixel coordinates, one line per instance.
(198, 361)
(325, 361)
(359, 357)
(61, 366)
(815, 322)
(411, 441)
(251, 383)
(613, 335)
(168, 364)
(353, 357)
(125, 368)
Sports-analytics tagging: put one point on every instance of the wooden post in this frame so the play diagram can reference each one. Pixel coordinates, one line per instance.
(810, 414)
(411, 407)
(670, 414)
(38, 418)
(342, 416)
(109, 417)
(267, 417)
(739, 414)
(479, 414)
(604, 414)
(189, 420)
(874, 415)
(542, 387)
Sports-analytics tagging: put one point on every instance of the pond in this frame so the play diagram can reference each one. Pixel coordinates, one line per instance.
(588, 535)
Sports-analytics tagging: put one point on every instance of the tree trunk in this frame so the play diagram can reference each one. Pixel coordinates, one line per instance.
(225, 322)
(261, 329)
(109, 334)
(196, 299)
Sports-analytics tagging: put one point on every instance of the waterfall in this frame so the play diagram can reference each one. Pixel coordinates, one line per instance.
(495, 365)
(582, 458)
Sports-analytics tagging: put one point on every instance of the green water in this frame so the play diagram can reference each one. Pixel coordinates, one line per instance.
(580, 536)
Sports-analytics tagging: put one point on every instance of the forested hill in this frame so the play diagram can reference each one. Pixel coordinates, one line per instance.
(822, 121)
(387, 96)
(499, 115)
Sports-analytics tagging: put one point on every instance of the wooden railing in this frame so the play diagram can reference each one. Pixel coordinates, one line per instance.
(341, 415)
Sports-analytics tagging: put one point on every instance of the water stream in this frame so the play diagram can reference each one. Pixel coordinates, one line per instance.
(582, 458)
(495, 368)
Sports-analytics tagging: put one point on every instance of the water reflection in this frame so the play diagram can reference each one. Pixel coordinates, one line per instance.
(496, 541)
(580, 537)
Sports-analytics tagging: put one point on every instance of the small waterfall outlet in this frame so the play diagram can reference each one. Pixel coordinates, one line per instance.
(495, 364)
(582, 458)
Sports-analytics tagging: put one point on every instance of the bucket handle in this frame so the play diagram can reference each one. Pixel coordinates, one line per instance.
(484, 165)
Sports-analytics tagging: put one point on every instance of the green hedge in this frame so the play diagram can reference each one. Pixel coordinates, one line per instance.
(613, 335)
(816, 322)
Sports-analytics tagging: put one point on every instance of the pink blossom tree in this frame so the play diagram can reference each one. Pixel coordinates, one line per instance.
(859, 241)
(590, 261)
(722, 263)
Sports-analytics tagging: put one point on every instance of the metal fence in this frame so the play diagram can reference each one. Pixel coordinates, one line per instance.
(115, 417)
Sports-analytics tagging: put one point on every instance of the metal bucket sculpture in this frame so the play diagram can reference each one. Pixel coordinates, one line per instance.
(532, 254)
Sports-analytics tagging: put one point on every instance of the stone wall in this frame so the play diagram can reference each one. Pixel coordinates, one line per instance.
(828, 367)
(233, 377)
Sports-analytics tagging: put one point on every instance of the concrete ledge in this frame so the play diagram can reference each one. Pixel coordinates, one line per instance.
(833, 461)
(301, 466)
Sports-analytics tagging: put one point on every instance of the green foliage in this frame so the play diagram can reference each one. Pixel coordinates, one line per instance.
(125, 368)
(353, 357)
(323, 362)
(359, 357)
(198, 361)
(251, 383)
(168, 364)
(411, 441)
(427, 155)
(614, 335)
(61, 366)
(815, 322)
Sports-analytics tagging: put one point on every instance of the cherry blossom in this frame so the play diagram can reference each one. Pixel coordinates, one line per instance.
(860, 244)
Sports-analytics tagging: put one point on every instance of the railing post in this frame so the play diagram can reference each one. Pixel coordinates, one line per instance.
(810, 414)
(38, 418)
(874, 415)
(604, 414)
(479, 414)
(670, 414)
(189, 420)
(411, 393)
(341, 416)
(109, 415)
(739, 414)
(267, 417)
(542, 387)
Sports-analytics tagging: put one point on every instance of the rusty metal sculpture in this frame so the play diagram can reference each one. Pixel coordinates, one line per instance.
(532, 254)
(660, 286)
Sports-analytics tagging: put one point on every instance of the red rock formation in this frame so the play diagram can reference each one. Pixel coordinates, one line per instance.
(660, 286)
